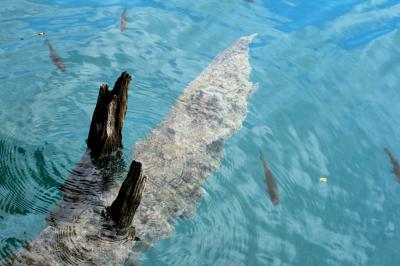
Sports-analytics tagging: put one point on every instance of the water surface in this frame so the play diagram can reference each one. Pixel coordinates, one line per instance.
(326, 106)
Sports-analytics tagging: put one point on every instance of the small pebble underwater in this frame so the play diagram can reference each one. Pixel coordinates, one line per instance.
(305, 170)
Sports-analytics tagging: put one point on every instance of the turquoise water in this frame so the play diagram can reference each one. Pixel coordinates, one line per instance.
(326, 105)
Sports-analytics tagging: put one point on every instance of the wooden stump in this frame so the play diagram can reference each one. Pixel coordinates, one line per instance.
(125, 205)
(105, 138)
(105, 134)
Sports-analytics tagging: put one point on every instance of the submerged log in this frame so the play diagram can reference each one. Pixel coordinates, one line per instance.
(105, 134)
(178, 156)
(125, 205)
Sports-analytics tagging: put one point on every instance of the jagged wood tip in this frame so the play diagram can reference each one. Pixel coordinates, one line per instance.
(105, 134)
(125, 205)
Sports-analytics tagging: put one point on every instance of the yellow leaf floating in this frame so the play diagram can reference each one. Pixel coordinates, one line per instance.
(323, 180)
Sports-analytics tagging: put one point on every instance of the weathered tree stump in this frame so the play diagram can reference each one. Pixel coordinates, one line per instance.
(105, 138)
(125, 205)
(104, 143)
(82, 187)
(105, 134)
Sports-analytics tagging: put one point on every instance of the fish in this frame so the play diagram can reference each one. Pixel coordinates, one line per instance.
(54, 57)
(395, 164)
(270, 180)
(123, 20)
(177, 156)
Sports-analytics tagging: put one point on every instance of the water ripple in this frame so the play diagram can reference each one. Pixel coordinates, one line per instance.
(28, 186)
(326, 104)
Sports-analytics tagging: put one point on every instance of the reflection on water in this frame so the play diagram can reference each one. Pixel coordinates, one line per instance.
(326, 106)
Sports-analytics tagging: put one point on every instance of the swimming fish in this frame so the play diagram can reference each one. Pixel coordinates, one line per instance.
(123, 20)
(395, 164)
(269, 178)
(54, 57)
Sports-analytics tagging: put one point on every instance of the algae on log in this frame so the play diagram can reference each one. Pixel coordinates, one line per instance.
(105, 135)
(125, 205)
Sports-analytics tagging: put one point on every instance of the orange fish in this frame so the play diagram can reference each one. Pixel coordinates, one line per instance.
(54, 57)
(123, 20)
(395, 164)
(271, 184)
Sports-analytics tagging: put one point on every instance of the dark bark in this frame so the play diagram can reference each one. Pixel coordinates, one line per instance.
(104, 142)
(125, 205)
(105, 134)
(105, 139)
(83, 185)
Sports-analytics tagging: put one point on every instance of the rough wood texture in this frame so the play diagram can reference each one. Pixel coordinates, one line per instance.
(125, 205)
(105, 135)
